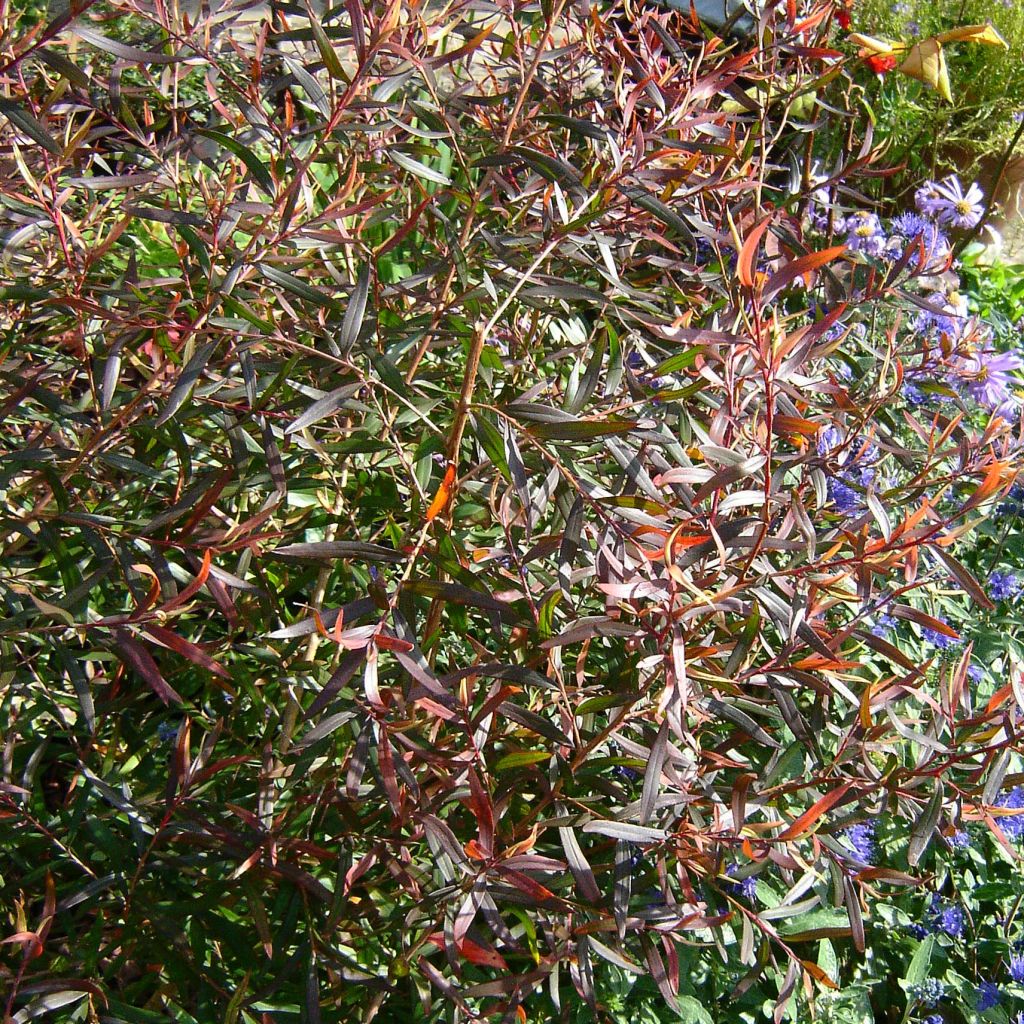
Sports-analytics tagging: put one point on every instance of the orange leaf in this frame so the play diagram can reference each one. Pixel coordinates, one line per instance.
(783, 424)
(988, 487)
(443, 493)
(800, 266)
(818, 974)
(475, 851)
(998, 698)
(193, 588)
(807, 820)
(748, 254)
(473, 952)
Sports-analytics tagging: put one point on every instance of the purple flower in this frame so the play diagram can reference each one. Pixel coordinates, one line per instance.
(821, 194)
(937, 639)
(956, 208)
(864, 233)
(988, 376)
(940, 323)
(854, 470)
(942, 916)
(166, 731)
(829, 439)
(960, 839)
(745, 887)
(1013, 505)
(1012, 824)
(844, 497)
(913, 394)
(860, 838)
(884, 624)
(975, 673)
(1009, 410)
(951, 919)
(1016, 967)
(855, 454)
(912, 226)
(988, 995)
(956, 304)
(1002, 586)
(927, 199)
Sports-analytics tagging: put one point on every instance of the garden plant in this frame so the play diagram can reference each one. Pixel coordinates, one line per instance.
(504, 515)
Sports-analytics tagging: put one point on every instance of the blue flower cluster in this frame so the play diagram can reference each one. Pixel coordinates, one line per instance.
(1012, 824)
(961, 839)
(854, 470)
(1013, 503)
(860, 838)
(976, 369)
(940, 205)
(988, 995)
(937, 639)
(940, 916)
(928, 992)
(1003, 586)
(1016, 967)
(745, 887)
(166, 731)
(883, 625)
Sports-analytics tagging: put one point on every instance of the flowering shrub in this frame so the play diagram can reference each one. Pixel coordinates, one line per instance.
(481, 542)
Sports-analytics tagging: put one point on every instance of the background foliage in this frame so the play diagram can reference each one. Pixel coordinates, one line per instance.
(468, 546)
(987, 87)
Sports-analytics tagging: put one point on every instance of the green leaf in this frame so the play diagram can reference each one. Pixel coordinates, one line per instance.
(692, 1011)
(920, 963)
(21, 118)
(520, 758)
(925, 825)
(417, 168)
(827, 923)
(356, 310)
(252, 162)
(327, 51)
(189, 375)
(580, 430)
(646, 201)
(323, 407)
(299, 287)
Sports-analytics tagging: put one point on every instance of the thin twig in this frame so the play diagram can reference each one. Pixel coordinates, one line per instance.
(983, 221)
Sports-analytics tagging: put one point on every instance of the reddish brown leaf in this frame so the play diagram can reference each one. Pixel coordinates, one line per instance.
(137, 658)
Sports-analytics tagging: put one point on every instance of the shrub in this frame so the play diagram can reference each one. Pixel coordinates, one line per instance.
(477, 530)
